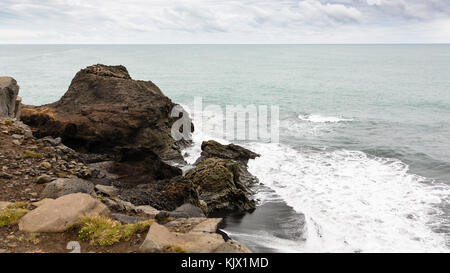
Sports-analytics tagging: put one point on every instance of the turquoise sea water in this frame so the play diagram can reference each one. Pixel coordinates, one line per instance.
(365, 129)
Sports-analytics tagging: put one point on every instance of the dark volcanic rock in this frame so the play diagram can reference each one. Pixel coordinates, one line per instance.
(141, 166)
(104, 109)
(183, 211)
(218, 184)
(167, 194)
(213, 148)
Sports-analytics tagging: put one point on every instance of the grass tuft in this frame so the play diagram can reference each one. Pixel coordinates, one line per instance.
(175, 249)
(12, 213)
(103, 231)
(31, 154)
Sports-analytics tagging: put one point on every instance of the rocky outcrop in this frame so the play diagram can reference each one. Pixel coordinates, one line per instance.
(59, 214)
(217, 183)
(105, 110)
(234, 152)
(10, 103)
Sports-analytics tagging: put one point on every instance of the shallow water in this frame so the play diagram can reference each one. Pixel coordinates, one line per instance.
(364, 140)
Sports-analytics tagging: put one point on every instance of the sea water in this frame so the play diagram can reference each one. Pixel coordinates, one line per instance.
(364, 149)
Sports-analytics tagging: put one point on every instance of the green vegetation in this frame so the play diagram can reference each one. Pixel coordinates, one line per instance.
(103, 231)
(175, 249)
(31, 154)
(12, 213)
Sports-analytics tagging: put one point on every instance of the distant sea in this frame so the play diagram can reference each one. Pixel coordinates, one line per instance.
(364, 149)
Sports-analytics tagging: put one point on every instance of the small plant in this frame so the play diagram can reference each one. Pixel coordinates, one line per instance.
(12, 213)
(103, 231)
(31, 154)
(175, 249)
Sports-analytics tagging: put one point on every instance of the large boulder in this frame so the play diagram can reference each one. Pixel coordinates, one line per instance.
(59, 214)
(217, 183)
(105, 110)
(9, 102)
(65, 186)
(196, 240)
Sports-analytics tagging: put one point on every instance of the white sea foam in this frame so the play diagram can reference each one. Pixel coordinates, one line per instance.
(353, 202)
(322, 119)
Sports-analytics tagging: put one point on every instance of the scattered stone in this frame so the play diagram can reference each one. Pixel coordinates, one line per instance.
(183, 211)
(106, 190)
(52, 141)
(125, 219)
(64, 186)
(59, 214)
(149, 210)
(44, 179)
(46, 165)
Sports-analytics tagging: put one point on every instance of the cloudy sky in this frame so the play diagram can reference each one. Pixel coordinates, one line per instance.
(225, 21)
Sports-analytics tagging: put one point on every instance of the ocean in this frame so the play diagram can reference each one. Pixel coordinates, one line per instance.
(364, 150)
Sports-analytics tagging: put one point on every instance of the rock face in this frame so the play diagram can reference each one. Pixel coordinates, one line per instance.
(8, 98)
(58, 215)
(217, 183)
(105, 110)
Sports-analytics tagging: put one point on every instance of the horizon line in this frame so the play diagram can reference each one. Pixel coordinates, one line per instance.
(399, 43)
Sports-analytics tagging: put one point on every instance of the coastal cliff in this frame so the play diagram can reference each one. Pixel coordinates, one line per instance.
(99, 166)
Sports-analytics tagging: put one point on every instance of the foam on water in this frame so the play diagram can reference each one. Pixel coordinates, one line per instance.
(322, 119)
(354, 202)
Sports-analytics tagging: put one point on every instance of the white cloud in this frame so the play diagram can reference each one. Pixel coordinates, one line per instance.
(217, 21)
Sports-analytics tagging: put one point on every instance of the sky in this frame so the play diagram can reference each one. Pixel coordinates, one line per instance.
(224, 21)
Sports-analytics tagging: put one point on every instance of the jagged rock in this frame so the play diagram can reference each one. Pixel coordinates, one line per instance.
(165, 194)
(8, 96)
(217, 182)
(104, 109)
(213, 148)
(64, 186)
(59, 214)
